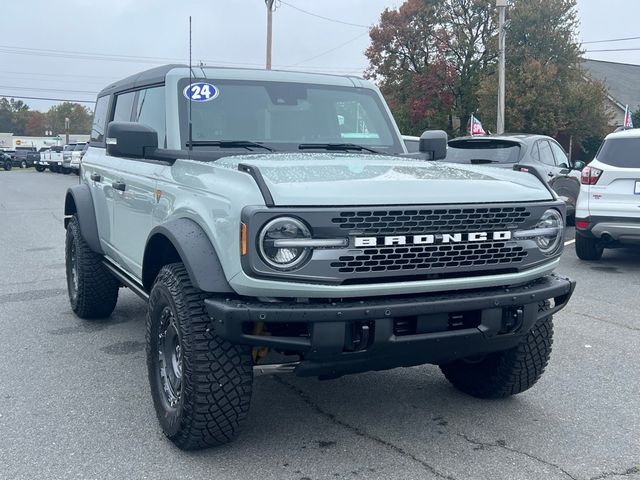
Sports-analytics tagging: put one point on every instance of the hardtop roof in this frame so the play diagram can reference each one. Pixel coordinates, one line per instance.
(158, 75)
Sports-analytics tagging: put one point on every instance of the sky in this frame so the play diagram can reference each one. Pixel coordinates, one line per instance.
(71, 49)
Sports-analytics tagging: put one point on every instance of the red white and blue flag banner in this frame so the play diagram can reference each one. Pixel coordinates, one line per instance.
(476, 127)
(628, 122)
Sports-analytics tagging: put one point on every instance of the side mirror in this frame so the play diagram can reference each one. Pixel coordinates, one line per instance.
(579, 165)
(130, 139)
(434, 143)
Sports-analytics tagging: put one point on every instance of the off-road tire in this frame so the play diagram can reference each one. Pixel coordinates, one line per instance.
(95, 293)
(589, 249)
(40, 168)
(212, 399)
(506, 373)
(7, 165)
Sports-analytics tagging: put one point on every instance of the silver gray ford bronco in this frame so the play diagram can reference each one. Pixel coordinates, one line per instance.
(275, 222)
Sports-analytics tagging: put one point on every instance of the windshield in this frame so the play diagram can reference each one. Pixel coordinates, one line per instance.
(285, 115)
(620, 152)
(483, 151)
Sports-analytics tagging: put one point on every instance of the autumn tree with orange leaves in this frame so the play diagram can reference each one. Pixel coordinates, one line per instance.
(429, 56)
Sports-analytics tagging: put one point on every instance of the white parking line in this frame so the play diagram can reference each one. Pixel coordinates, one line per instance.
(569, 242)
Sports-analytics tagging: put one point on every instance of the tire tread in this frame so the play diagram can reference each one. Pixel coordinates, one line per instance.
(217, 375)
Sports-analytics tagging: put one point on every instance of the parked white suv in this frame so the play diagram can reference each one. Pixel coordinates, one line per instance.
(608, 211)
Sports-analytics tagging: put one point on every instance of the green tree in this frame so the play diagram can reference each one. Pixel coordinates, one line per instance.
(80, 118)
(471, 49)
(14, 115)
(429, 56)
(547, 90)
(635, 118)
(407, 60)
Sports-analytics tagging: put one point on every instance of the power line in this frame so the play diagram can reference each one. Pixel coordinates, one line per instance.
(131, 59)
(334, 20)
(612, 40)
(13, 87)
(47, 98)
(330, 50)
(634, 49)
(48, 74)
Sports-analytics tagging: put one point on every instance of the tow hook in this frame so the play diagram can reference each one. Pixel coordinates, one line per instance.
(512, 318)
(358, 337)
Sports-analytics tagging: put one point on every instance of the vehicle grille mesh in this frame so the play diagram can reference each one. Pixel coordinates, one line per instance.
(431, 257)
(390, 222)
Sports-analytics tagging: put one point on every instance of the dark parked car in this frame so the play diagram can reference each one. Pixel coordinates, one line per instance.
(26, 157)
(538, 151)
(6, 162)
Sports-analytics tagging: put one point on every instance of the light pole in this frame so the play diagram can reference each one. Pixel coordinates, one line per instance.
(502, 11)
(269, 4)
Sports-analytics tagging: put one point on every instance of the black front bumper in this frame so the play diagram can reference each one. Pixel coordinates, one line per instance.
(335, 338)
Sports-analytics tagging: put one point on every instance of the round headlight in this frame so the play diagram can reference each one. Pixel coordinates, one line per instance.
(552, 223)
(283, 257)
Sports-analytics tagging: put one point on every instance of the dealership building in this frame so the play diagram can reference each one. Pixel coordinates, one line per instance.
(9, 141)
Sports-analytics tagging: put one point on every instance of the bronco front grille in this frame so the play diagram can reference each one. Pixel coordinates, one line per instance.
(392, 221)
(431, 257)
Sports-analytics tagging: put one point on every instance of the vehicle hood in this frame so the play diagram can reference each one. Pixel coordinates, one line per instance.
(338, 179)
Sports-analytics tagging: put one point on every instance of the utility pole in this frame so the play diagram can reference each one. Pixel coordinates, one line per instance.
(66, 129)
(502, 11)
(269, 4)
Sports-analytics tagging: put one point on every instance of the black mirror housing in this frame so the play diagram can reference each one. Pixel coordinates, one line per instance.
(434, 143)
(130, 139)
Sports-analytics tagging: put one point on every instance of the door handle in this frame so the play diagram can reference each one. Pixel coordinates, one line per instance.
(119, 186)
(95, 177)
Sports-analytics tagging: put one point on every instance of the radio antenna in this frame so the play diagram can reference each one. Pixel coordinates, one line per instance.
(190, 101)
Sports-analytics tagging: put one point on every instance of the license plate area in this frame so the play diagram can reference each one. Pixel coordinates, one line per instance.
(636, 190)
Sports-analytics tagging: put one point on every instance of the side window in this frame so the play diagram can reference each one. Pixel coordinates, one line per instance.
(100, 119)
(546, 155)
(535, 152)
(561, 158)
(124, 106)
(150, 110)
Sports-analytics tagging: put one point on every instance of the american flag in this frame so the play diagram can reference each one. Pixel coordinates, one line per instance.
(476, 126)
(628, 122)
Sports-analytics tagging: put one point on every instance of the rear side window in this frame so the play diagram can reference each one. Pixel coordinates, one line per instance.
(620, 152)
(546, 155)
(124, 106)
(150, 110)
(483, 152)
(100, 119)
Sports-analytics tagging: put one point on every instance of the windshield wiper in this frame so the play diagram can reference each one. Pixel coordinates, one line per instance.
(229, 144)
(336, 146)
(480, 161)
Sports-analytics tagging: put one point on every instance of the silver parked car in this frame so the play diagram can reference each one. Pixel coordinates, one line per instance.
(543, 153)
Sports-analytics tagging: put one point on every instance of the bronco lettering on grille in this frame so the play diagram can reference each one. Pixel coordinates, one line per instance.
(432, 239)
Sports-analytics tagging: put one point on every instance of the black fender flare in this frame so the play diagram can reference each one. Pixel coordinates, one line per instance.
(78, 201)
(194, 249)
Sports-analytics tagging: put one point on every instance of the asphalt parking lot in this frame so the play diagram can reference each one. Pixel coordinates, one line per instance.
(74, 399)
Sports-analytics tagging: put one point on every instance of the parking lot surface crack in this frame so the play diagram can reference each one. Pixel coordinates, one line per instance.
(610, 322)
(503, 445)
(359, 432)
(624, 473)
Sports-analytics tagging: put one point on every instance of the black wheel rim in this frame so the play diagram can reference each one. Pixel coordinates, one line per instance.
(170, 357)
(73, 270)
